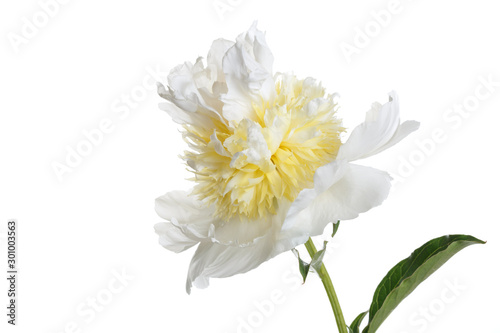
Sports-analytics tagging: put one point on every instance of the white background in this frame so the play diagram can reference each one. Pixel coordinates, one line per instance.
(97, 220)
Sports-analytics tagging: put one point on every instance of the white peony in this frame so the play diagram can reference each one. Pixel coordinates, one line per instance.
(268, 163)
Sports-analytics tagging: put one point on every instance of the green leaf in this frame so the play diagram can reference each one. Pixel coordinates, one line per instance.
(403, 278)
(354, 328)
(317, 260)
(335, 228)
(303, 266)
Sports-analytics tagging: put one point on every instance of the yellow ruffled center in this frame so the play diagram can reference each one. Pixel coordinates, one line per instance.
(247, 169)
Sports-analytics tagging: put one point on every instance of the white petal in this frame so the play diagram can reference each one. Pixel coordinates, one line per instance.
(182, 86)
(359, 189)
(329, 174)
(237, 247)
(277, 125)
(296, 228)
(216, 54)
(380, 131)
(402, 132)
(186, 213)
(172, 238)
(219, 148)
(324, 177)
(217, 261)
(191, 90)
(241, 231)
(247, 69)
(257, 150)
(177, 114)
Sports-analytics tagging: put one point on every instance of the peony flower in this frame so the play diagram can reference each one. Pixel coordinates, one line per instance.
(268, 163)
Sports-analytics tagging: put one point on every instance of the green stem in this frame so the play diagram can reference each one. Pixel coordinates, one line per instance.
(330, 291)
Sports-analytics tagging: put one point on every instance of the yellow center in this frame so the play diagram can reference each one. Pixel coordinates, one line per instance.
(247, 169)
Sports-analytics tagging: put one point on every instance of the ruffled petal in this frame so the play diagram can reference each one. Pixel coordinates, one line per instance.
(247, 68)
(215, 55)
(183, 88)
(380, 130)
(194, 90)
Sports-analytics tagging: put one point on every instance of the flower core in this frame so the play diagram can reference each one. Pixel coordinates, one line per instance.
(247, 168)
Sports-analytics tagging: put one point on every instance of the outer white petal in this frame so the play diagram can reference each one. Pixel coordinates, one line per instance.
(402, 132)
(189, 221)
(185, 208)
(361, 189)
(324, 177)
(218, 261)
(236, 247)
(355, 190)
(380, 131)
(248, 72)
(241, 232)
(173, 238)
